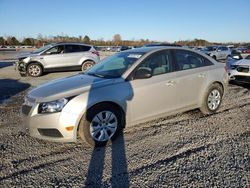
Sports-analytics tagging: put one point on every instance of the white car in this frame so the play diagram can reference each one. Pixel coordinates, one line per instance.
(239, 70)
(217, 52)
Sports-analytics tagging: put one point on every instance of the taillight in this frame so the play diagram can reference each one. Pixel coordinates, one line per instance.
(96, 53)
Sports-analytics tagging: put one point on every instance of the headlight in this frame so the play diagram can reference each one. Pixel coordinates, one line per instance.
(26, 60)
(233, 67)
(53, 106)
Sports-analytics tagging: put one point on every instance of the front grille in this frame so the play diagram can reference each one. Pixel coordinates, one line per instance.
(26, 109)
(50, 132)
(245, 79)
(243, 69)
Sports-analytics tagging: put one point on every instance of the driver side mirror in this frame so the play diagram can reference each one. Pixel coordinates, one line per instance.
(48, 53)
(143, 73)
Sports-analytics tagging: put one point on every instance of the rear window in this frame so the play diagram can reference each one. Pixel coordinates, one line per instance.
(77, 48)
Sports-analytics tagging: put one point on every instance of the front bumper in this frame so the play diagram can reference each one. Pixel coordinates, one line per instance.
(51, 126)
(20, 66)
(240, 75)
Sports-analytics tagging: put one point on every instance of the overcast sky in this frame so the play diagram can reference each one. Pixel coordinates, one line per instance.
(162, 20)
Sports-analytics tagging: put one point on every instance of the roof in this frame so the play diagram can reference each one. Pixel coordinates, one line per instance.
(150, 49)
(78, 43)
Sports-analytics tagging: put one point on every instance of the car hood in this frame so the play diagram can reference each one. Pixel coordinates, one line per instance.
(67, 87)
(24, 55)
(243, 62)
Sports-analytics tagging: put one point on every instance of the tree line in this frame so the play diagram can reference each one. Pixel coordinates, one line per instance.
(116, 41)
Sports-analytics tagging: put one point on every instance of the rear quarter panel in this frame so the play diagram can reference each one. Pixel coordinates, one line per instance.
(216, 73)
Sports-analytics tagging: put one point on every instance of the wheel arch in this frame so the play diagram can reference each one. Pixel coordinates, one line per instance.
(37, 62)
(88, 59)
(222, 86)
(114, 104)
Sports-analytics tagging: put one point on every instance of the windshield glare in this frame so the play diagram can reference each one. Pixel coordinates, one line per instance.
(114, 66)
(42, 48)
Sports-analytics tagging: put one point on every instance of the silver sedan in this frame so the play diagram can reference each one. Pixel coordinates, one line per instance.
(123, 90)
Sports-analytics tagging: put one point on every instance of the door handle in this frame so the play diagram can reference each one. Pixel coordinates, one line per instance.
(170, 83)
(201, 75)
(41, 58)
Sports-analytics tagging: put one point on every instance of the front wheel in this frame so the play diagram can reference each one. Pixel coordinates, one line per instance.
(86, 65)
(34, 70)
(212, 99)
(101, 124)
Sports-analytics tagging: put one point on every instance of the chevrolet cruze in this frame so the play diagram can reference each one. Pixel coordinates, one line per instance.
(123, 90)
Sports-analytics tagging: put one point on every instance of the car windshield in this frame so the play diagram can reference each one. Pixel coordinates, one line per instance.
(114, 66)
(42, 48)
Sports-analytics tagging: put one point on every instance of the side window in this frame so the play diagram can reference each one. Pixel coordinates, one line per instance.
(220, 48)
(158, 63)
(84, 48)
(248, 57)
(55, 50)
(224, 48)
(189, 60)
(72, 48)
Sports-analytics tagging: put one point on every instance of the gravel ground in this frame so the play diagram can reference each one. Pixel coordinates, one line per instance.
(187, 149)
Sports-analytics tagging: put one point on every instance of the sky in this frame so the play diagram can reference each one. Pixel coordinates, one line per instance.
(159, 20)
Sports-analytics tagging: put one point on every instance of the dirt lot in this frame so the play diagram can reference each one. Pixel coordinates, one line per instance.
(187, 149)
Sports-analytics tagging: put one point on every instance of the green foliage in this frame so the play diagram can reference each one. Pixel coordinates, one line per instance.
(2, 41)
(28, 41)
(86, 39)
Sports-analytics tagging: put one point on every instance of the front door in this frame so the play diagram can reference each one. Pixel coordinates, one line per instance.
(154, 96)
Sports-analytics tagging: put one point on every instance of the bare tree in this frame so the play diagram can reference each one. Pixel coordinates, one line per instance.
(117, 39)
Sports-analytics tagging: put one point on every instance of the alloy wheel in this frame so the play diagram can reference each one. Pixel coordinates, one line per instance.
(214, 99)
(103, 126)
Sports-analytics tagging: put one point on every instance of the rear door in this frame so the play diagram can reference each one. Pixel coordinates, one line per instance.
(191, 77)
(75, 54)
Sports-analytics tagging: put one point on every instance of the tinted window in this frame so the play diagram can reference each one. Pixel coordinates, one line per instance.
(84, 48)
(224, 48)
(76, 48)
(189, 60)
(248, 57)
(158, 63)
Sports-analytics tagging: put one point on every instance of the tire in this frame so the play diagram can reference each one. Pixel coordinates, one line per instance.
(92, 129)
(86, 65)
(214, 57)
(34, 70)
(212, 100)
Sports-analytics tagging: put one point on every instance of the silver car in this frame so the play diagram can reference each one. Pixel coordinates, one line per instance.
(57, 57)
(123, 90)
(218, 52)
(239, 70)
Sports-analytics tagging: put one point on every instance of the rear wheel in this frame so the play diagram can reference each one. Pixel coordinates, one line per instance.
(214, 57)
(101, 124)
(212, 99)
(34, 70)
(86, 65)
